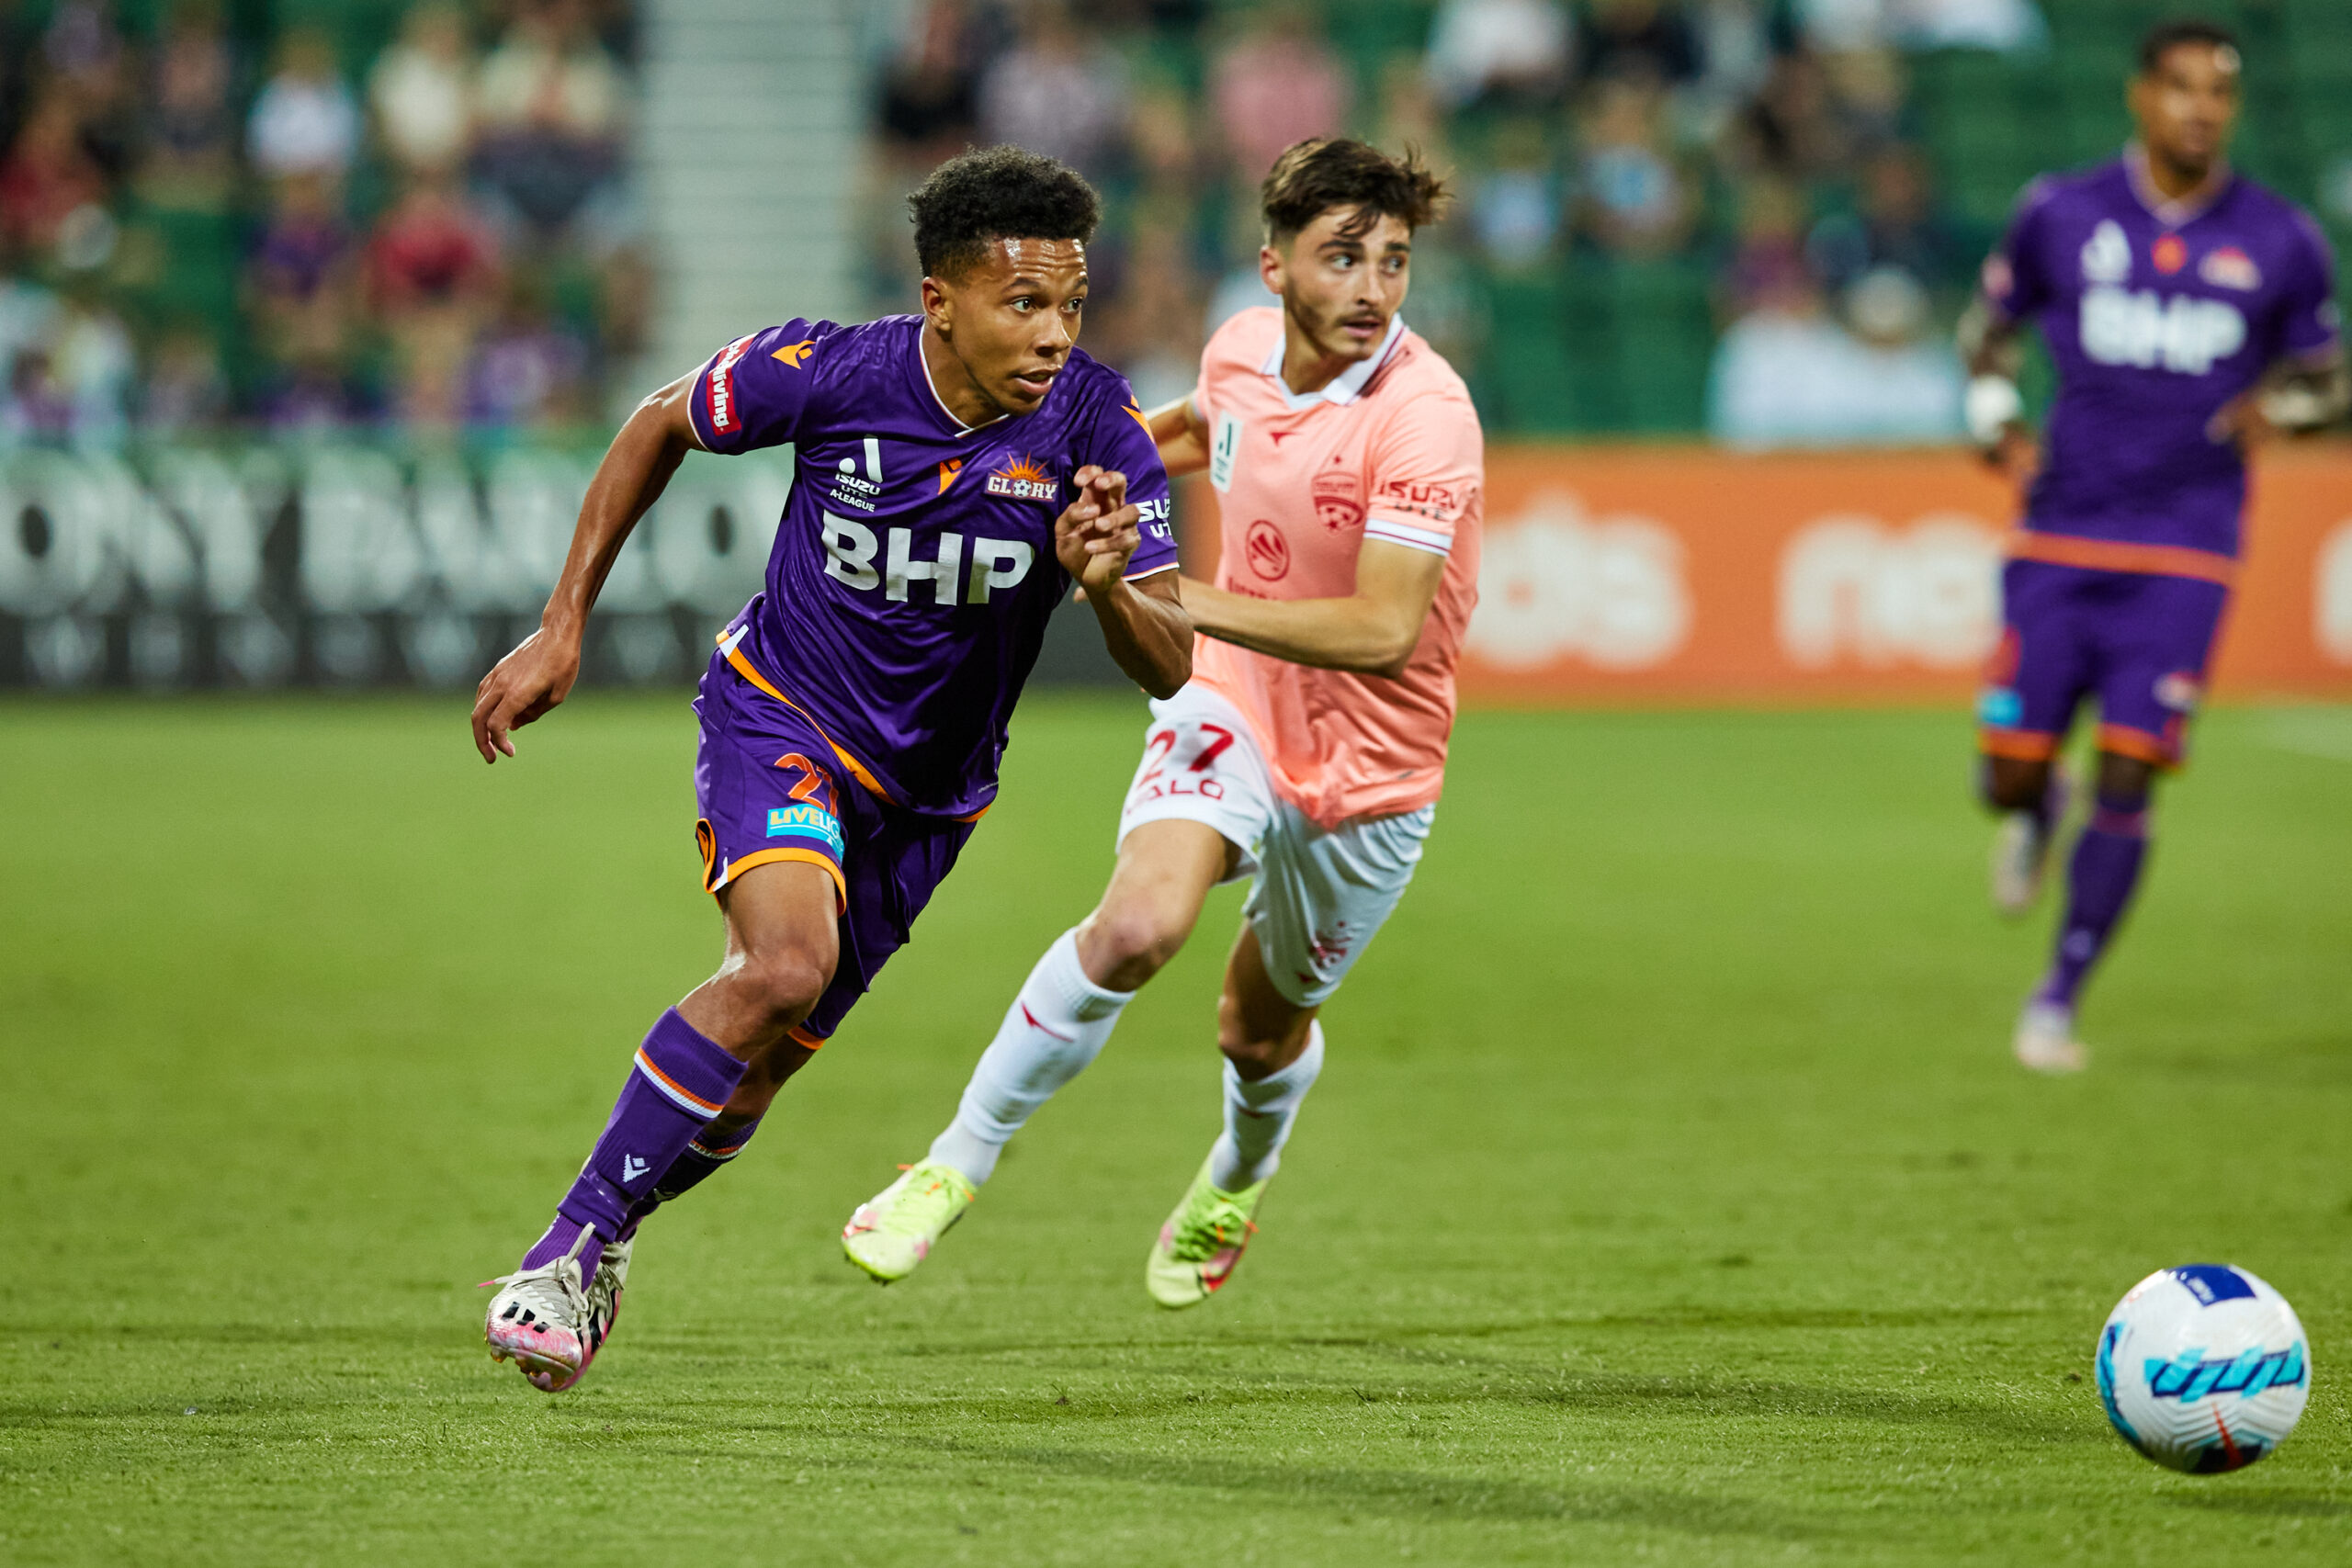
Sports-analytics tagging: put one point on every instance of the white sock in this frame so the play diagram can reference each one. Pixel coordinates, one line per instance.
(1056, 1026)
(1257, 1117)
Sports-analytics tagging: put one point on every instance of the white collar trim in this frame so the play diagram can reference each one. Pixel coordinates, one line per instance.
(1345, 388)
(923, 368)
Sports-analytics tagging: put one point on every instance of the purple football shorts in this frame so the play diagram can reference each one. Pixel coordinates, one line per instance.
(770, 786)
(2139, 641)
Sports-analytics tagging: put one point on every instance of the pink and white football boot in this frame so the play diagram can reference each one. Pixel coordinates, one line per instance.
(549, 1327)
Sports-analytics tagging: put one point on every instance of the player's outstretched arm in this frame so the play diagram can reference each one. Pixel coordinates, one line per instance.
(1372, 631)
(1176, 430)
(539, 675)
(1143, 622)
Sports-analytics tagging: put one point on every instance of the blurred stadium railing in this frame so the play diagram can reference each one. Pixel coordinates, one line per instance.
(314, 313)
(270, 566)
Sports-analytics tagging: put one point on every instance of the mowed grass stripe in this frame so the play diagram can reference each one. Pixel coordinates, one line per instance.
(1669, 1196)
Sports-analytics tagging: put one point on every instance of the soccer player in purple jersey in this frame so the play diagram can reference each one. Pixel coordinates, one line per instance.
(954, 472)
(2189, 313)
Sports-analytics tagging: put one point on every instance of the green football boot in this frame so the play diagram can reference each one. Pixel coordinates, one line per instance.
(1201, 1244)
(895, 1229)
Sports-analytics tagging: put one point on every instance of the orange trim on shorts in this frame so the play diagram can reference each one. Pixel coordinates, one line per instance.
(857, 769)
(2025, 745)
(804, 1040)
(2136, 744)
(736, 868)
(2114, 555)
(707, 843)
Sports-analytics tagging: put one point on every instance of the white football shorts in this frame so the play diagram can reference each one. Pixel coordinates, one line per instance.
(1320, 894)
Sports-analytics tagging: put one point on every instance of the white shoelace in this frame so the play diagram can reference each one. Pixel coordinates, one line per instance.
(553, 1291)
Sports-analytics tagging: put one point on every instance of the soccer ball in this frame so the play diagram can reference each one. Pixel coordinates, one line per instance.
(2203, 1368)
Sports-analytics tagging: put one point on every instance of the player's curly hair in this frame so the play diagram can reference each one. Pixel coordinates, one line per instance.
(1311, 177)
(997, 193)
(2166, 37)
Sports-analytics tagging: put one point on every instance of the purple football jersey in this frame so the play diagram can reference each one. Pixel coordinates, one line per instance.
(2156, 313)
(913, 569)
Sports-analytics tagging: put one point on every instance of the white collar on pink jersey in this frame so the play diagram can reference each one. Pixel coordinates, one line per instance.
(1345, 388)
(2174, 214)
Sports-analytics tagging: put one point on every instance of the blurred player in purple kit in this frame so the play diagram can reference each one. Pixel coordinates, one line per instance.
(2189, 313)
(955, 471)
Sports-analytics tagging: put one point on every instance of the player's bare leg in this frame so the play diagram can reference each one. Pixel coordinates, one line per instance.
(2031, 793)
(1273, 1050)
(1163, 875)
(724, 1050)
(1056, 1025)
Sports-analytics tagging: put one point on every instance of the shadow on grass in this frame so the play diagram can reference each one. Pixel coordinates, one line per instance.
(1423, 1495)
(2266, 1505)
(1697, 1397)
(409, 1336)
(1477, 1395)
(1728, 1398)
(1669, 1319)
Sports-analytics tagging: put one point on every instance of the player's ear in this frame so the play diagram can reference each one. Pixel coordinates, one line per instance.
(1271, 268)
(938, 306)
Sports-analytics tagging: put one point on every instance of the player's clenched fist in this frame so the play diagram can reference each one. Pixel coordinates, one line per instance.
(1097, 533)
(521, 687)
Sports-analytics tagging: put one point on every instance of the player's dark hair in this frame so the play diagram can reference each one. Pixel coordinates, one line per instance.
(2166, 37)
(1313, 176)
(997, 193)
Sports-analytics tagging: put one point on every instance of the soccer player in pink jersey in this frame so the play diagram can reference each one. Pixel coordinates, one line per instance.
(1308, 749)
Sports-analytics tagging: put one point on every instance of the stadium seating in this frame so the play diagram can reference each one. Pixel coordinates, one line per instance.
(1621, 347)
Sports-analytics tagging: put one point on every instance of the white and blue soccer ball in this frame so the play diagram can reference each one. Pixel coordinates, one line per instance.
(2203, 1368)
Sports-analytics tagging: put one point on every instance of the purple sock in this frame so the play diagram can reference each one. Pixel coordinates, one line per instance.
(2099, 882)
(678, 1083)
(711, 1149)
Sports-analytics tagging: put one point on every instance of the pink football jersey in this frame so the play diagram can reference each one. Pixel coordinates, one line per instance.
(1390, 451)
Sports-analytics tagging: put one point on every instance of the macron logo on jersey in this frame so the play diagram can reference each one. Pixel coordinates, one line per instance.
(723, 419)
(793, 354)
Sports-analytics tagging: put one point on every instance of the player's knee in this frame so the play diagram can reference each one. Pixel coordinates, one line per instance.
(1128, 942)
(783, 984)
(2012, 783)
(2125, 783)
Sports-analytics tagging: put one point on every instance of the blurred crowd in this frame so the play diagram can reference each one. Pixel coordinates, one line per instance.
(1760, 144)
(208, 223)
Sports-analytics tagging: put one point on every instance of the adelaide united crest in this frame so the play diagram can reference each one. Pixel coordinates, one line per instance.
(1339, 500)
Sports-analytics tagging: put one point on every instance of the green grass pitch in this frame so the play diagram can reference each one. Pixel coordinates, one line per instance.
(1670, 1197)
